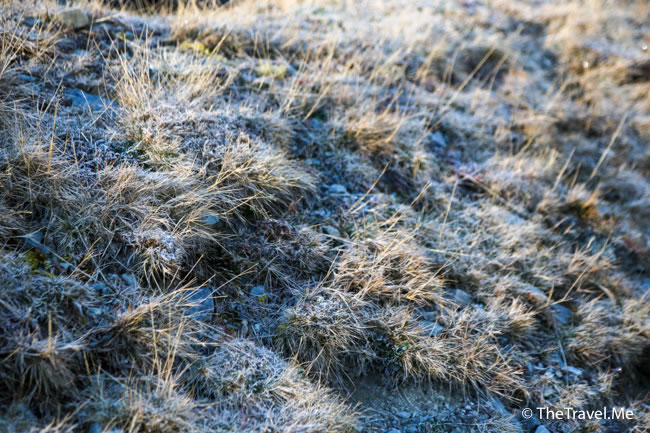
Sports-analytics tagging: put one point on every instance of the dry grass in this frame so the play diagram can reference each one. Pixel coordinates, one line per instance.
(222, 218)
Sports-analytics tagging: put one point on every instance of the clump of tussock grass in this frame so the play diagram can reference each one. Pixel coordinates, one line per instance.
(56, 327)
(250, 371)
(388, 265)
(240, 373)
(143, 404)
(327, 329)
(196, 181)
(608, 334)
(18, 417)
(578, 393)
(523, 178)
(467, 353)
(393, 140)
(263, 174)
(160, 217)
(485, 362)
(331, 330)
(153, 330)
(20, 47)
(147, 99)
(256, 171)
(512, 316)
(282, 255)
(513, 240)
(167, 216)
(43, 321)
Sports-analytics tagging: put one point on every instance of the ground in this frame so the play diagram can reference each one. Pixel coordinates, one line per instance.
(405, 216)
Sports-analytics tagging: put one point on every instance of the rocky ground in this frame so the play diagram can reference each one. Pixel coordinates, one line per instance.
(324, 217)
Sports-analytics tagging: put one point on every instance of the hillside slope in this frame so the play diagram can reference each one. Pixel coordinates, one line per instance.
(324, 216)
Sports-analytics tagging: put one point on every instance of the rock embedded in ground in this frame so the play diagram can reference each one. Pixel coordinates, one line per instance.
(461, 298)
(259, 293)
(548, 392)
(330, 230)
(84, 100)
(558, 315)
(499, 406)
(73, 18)
(210, 220)
(438, 139)
(100, 287)
(337, 189)
(533, 294)
(202, 303)
(572, 370)
(432, 328)
(95, 428)
(130, 279)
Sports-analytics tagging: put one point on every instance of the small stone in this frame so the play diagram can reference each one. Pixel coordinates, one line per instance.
(558, 314)
(412, 429)
(34, 239)
(27, 78)
(30, 21)
(514, 219)
(259, 293)
(337, 189)
(498, 406)
(130, 280)
(403, 414)
(100, 287)
(66, 45)
(95, 312)
(211, 220)
(533, 294)
(541, 429)
(572, 370)
(331, 230)
(202, 305)
(438, 139)
(84, 100)
(432, 328)
(461, 298)
(95, 428)
(430, 316)
(394, 430)
(73, 18)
